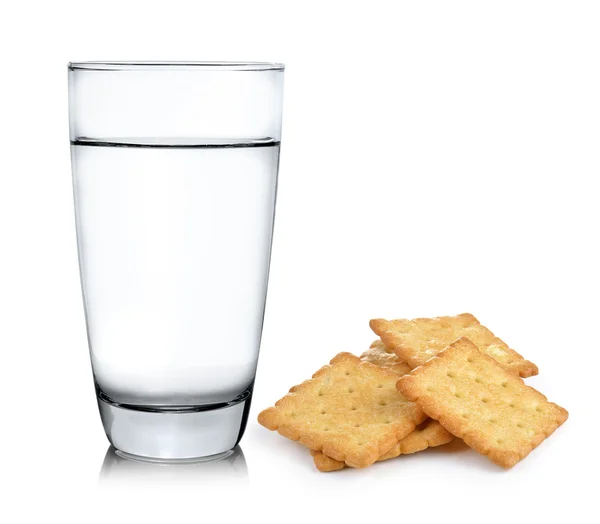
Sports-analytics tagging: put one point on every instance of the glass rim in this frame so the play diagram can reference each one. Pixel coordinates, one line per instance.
(160, 65)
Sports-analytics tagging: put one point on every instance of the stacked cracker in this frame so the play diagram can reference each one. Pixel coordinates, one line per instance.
(423, 383)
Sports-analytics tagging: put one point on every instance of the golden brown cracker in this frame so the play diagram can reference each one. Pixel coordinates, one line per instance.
(428, 435)
(415, 341)
(380, 355)
(350, 410)
(474, 398)
(325, 463)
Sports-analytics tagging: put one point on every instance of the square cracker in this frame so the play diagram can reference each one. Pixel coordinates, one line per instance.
(416, 341)
(428, 435)
(384, 357)
(474, 398)
(350, 410)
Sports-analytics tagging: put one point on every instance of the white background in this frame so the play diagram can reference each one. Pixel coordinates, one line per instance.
(438, 157)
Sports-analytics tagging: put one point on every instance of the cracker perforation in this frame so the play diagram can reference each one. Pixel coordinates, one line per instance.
(358, 436)
(416, 341)
(457, 403)
(428, 434)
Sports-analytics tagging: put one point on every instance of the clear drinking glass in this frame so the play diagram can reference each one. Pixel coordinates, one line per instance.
(175, 178)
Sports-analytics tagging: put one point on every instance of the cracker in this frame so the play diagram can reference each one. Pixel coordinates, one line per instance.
(428, 435)
(380, 355)
(350, 410)
(474, 398)
(416, 341)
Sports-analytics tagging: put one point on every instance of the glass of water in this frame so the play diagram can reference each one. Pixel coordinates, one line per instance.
(175, 177)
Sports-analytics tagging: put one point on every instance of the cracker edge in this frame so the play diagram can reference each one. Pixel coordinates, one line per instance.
(401, 367)
(412, 443)
(269, 419)
(407, 385)
(394, 341)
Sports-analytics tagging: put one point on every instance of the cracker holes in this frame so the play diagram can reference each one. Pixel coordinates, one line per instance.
(388, 421)
(499, 441)
(347, 373)
(485, 400)
(465, 415)
(512, 405)
(470, 360)
(478, 380)
(382, 403)
(449, 374)
(429, 388)
(350, 390)
(325, 429)
(379, 386)
(504, 384)
(458, 395)
(520, 425)
(323, 412)
(493, 420)
(357, 425)
(320, 393)
(538, 409)
(353, 408)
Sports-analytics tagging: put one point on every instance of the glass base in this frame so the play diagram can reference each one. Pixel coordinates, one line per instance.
(174, 435)
(173, 461)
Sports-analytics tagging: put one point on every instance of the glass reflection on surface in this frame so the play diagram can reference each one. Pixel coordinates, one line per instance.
(117, 468)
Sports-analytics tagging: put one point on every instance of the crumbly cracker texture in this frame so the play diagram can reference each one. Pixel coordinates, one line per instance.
(416, 341)
(350, 410)
(477, 400)
(384, 357)
(428, 435)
